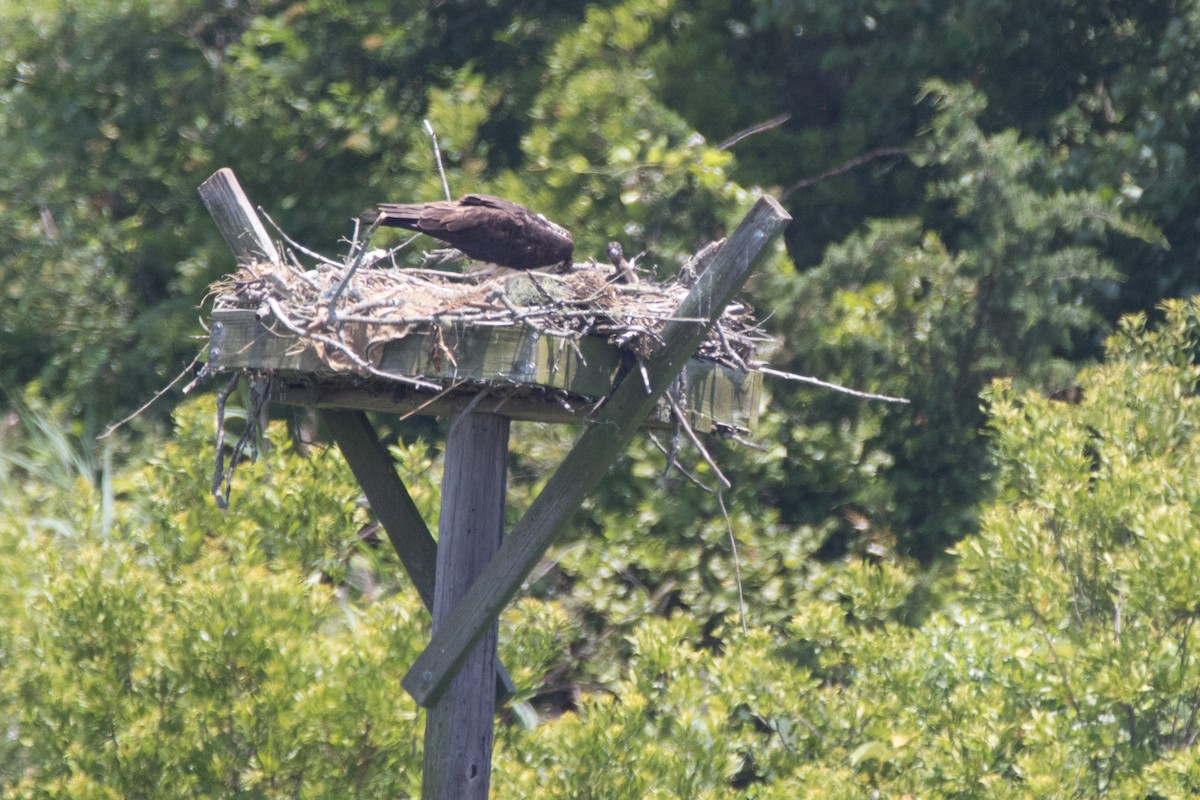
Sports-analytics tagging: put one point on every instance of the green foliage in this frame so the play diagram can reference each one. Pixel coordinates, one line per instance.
(1004, 286)
(112, 113)
(107, 119)
(183, 652)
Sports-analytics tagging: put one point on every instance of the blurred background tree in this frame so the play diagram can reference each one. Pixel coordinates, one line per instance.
(1024, 209)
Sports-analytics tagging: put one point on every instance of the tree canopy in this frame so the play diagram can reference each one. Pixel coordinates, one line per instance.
(621, 120)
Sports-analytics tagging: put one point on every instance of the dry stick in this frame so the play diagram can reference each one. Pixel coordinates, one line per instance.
(464, 277)
(284, 320)
(112, 428)
(219, 470)
(723, 484)
(791, 376)
(675, 465)
(295, 244)
(362, 251)
(737, 564)
(761, 127)
(691, 434)
(296, 268)
(437, 154)
(741, 364)
(857, 161)
(451, 388)
(259, 396)
(392, 251)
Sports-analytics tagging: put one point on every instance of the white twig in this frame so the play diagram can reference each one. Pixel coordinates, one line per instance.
(277, 311)
(112, 428)
(737, 564)
(437, 154)
(295, 244)
(691, 434)
(341, 287)
(451, 388)
(791, 376)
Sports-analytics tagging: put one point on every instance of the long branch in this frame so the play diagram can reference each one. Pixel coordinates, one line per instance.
(845, 166)
(791, 376)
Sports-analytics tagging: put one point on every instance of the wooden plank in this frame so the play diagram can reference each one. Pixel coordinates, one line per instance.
(236, 218)
(528, 406)
(394, 507)
(453, 353)
(585, 369)
(458, 728)
(592, 455)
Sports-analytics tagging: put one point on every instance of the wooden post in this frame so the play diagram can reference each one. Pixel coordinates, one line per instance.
(593, 453)
(392, 504)
(243, 231)
(458, 728)
(239, 224)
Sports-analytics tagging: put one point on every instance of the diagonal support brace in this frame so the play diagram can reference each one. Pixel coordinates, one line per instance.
(596, 449)
(392, 504)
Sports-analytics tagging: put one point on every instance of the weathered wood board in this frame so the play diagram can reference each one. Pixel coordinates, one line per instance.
(531, 375)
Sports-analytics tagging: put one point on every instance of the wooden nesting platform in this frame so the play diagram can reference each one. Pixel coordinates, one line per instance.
(576, 347)
(544, 349)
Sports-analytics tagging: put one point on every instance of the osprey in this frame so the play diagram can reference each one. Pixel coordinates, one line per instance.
(484, 228)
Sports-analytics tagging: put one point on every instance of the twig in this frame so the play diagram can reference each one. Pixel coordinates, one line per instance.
(846, 166)
(392, 252)
(297, 269)
(761, 127)
(219, 470)
(737, 564)
(260, 393)
(645, 376)
(341, 287)
(452, 387)
(1062, 671)
(465, 277)
(437, 154)
(691, 434)
(295, 244)
(737, 359)
(673, 464)
(273, 304)
(791, 376)
(460, 416)
(541, 289)
(157, 395)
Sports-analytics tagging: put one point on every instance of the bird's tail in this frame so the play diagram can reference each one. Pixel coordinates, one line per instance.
(394, 215)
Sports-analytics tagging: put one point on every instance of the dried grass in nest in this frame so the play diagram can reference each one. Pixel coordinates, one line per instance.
(381, 305)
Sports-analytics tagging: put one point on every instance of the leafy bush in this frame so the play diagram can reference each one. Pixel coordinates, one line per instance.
(182, 652)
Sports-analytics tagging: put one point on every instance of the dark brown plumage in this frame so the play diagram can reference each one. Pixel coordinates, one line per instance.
(484, 228)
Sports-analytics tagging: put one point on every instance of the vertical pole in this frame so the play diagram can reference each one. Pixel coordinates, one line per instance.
(458, 728)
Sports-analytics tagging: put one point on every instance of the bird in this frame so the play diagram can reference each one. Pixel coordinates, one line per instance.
(484, 228)
(624, 266)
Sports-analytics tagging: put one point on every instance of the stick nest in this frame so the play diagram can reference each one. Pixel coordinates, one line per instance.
(378, 305)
